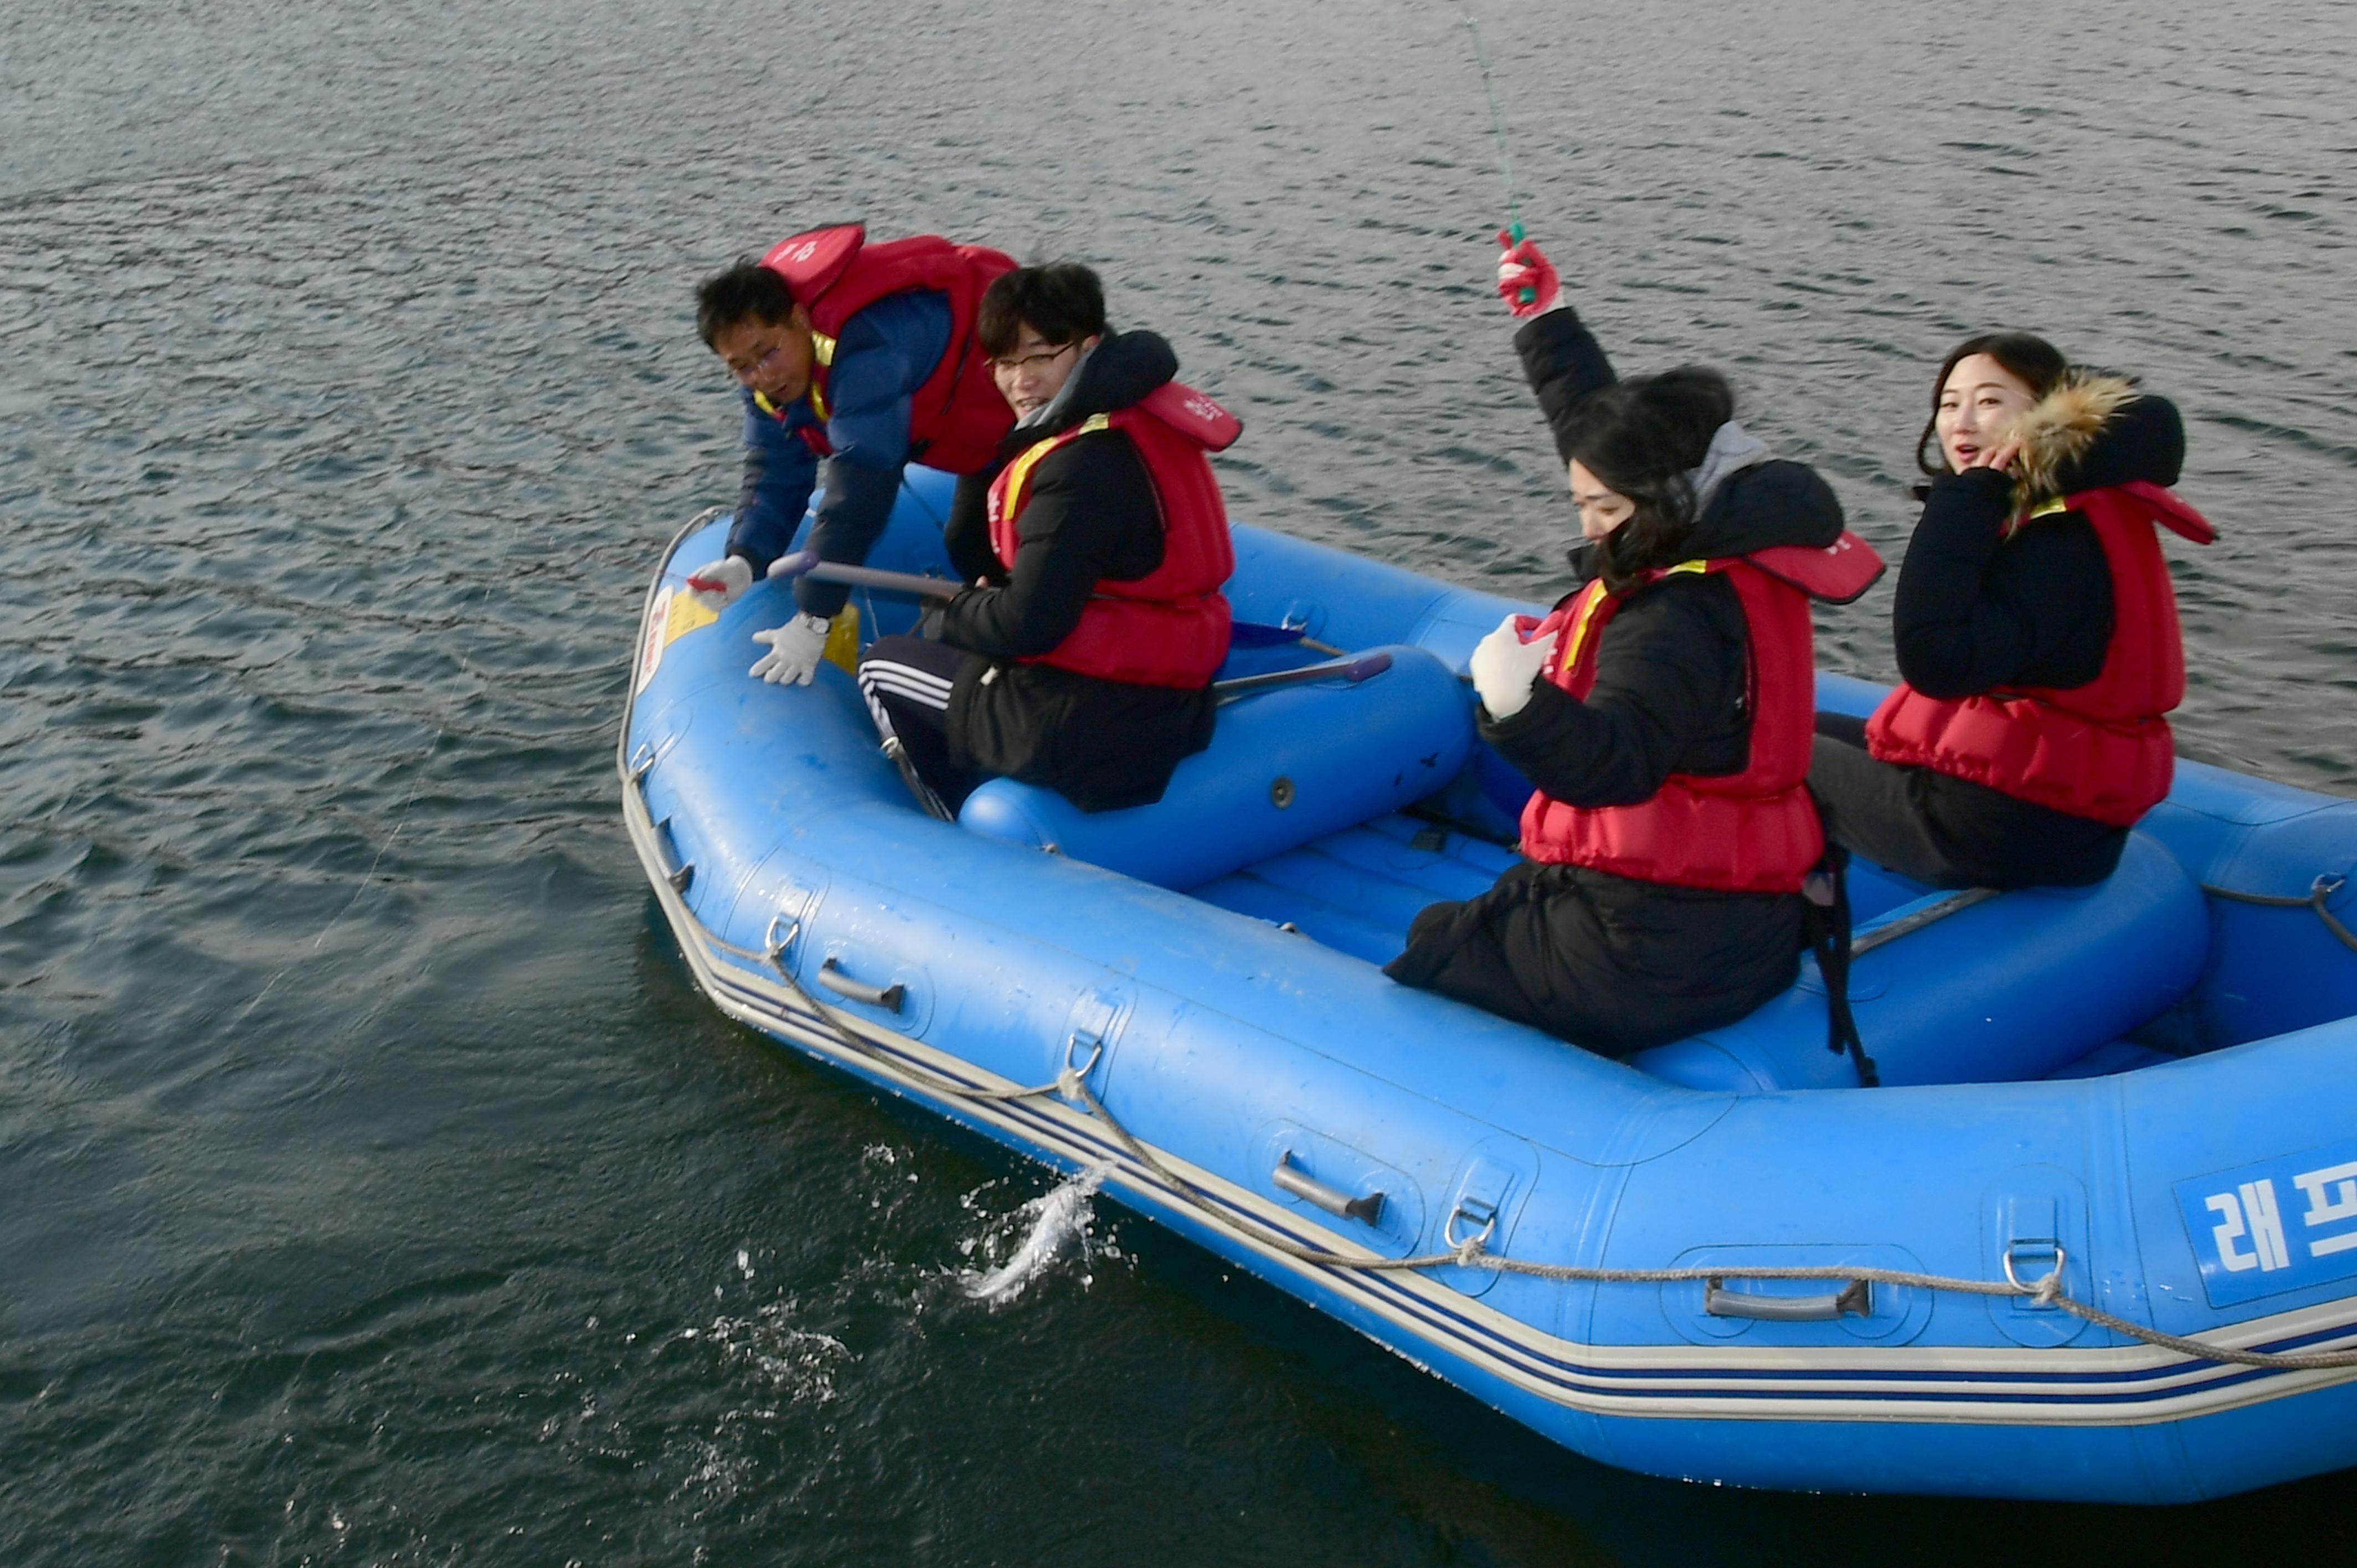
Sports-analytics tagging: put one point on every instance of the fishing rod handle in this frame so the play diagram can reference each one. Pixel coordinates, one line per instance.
(1527, 295)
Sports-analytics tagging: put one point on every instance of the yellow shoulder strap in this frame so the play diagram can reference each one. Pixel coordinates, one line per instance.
(1018, 472)
(1591, 599)
(821, 350)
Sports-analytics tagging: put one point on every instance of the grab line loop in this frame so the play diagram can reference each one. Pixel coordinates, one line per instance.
(2041, 1291)
(777, 947)
(1471, 1248)
(1073, 1081)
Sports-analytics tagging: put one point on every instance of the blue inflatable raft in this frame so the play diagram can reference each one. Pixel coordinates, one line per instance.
(2096, 1238)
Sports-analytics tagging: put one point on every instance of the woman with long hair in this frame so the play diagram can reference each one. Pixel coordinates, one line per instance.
(2036, 632)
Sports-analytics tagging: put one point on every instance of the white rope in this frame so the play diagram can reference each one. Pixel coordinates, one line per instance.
(1071, 1083)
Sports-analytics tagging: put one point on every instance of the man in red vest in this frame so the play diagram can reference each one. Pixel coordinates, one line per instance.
(860, 356)
(1096, 542)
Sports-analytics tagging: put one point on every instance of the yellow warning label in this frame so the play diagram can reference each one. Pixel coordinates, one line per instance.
(685, 616)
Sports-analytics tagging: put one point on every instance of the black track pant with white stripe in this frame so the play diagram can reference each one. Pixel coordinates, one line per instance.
(907, 682)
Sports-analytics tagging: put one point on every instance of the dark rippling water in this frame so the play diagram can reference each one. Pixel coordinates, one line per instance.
(374, 1187)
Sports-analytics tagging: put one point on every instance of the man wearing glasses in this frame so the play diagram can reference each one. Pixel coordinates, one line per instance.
(1096, 545)
(859, 356)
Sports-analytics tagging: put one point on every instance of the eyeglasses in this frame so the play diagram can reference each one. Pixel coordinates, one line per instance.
(1007, 364)
(754, 365)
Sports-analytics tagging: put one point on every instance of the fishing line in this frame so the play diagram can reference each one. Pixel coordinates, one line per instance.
(1527, 295)
(1498, 130)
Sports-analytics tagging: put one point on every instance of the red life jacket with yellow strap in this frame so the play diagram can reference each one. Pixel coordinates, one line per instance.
(957, 418)
(1752, 832)
(2102, 750)
(1168, 628)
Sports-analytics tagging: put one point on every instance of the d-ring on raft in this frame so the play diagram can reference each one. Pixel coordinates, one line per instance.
(2097, 1240)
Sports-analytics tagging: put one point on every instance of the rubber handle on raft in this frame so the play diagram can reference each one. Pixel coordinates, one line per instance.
(679, 872)
(888, 997)
(1290, 1177)
(1854, 1299)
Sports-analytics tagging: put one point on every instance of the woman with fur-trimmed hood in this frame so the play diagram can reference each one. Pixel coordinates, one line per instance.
(2036, 629)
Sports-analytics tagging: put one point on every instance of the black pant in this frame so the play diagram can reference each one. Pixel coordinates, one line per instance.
(1870, 806)
(907, 681)
(1607, 963)
(1945, 831)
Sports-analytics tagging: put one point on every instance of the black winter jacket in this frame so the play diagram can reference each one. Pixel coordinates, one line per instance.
(1093, 514)
(1978, 608)
(1610, 963)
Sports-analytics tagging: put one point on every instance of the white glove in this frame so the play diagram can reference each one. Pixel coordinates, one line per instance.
(795, 649)
(1504, 667)
(725, 580)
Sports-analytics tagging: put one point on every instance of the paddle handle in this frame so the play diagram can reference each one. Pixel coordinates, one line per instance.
(806, 564)
(1365, 667)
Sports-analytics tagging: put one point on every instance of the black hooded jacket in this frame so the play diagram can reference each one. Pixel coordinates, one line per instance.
(1608, 962)
(1979, 608)
(1671, 674)
(1093, 515)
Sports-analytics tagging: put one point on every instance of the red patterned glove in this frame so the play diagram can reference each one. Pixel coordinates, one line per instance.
(1523, 267)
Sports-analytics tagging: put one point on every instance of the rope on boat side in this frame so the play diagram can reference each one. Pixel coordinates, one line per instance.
(1472, 1253)
(2324, 887)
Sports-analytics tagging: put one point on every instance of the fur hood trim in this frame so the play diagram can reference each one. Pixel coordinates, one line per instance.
(2058, 429)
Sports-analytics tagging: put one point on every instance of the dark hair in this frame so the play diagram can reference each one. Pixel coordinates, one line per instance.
(2029, 359)
(1062, 302)
(745, 288)
(1642, 437)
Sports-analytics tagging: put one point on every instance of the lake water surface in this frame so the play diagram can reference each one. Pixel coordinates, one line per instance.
(374, 1187)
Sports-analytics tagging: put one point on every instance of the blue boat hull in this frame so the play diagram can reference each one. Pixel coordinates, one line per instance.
(2200, 1192)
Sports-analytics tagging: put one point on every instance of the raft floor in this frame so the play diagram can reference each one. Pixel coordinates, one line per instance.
(1357, 891)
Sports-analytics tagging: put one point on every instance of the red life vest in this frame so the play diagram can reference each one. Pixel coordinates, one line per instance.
(1168, 628)
(957, 418)
(2101, 750)
(1752, 832)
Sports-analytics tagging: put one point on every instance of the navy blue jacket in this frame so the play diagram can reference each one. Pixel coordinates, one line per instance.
(886, 353)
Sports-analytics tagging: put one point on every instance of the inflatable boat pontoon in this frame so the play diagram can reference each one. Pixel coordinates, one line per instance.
(2094, 1238)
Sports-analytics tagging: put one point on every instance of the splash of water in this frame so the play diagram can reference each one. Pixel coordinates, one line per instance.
(1059, 1223)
